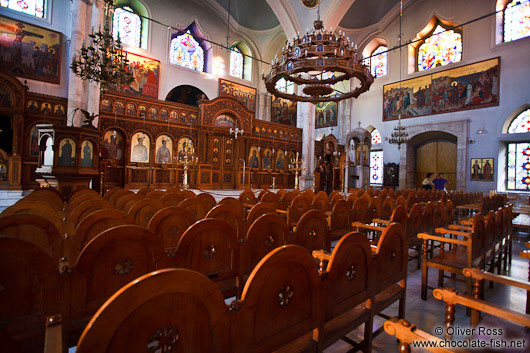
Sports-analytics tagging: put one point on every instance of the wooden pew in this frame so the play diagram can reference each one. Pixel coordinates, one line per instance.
(169, 224)
(312, 232)
(143, 210)
(258, 210)
(232, 216)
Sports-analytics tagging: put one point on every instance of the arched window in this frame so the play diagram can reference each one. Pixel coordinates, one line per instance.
(237, 63)
(127, 25)
(521, 123)
(516, 22)
(379, 61)
(284, 86)
(185, 51)
(376, 137)
(35, 8)
(376, 159)
(442, 46)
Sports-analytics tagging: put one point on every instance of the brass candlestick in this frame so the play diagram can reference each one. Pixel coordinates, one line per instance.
(296, 167)
(187, 160)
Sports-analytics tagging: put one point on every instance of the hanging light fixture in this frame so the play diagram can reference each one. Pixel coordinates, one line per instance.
(400, 135)
(307, 60)
(104, 61)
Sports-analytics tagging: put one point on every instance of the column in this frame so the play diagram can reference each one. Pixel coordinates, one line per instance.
(264, 106)
(76, 86)
(306, 121)
(93, 91)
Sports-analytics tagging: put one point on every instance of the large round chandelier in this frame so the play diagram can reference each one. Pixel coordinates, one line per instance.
(319, 61)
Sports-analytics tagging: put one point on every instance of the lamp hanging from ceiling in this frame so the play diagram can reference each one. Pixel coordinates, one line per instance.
(400, 135)
(308, 59)
(104, 61)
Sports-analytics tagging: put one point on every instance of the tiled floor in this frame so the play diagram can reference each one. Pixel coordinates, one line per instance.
(429, 314)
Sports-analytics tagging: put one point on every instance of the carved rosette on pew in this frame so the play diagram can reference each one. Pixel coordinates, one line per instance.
(359, 142)
(68, 157)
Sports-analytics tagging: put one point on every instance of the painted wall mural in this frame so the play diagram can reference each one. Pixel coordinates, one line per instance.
(244, 94)
(326, 114)
(30, 51)
(283, 111)
(146, 73)
(467, 87)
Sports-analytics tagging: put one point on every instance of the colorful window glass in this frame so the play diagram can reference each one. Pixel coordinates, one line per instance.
(376, 137)
(283, 86)
(128, 26)
(517, 20)
(236, 63)
(521, 123)
(518, 166)
(441, 48)
(35, 8)
(185, 51)
(376, 167)
(379, 62)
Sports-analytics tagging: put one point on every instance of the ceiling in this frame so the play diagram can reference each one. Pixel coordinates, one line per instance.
(253, 14)
(364, 13)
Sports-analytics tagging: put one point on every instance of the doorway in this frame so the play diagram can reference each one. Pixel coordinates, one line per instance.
(6, 134)
(437, 157)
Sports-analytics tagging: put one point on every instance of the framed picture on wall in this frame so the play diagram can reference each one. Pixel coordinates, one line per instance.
(481, 169)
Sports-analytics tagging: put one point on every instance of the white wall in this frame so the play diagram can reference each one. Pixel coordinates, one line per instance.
(479, 44)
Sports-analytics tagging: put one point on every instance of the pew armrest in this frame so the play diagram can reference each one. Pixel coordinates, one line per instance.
(460, 227)
(476, 273)
(53, 342)
(426, 236)
(381, 221)
(406, 333)
(452, 232)
(321, 255)
(359, 225)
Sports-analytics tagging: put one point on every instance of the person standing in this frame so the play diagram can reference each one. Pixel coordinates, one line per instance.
(439, 182)
(427, 184)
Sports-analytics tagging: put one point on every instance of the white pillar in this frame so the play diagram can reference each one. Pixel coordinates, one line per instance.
(93, 91)
(306, 121)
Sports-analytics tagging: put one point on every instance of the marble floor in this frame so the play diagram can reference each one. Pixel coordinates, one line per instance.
(429, 314)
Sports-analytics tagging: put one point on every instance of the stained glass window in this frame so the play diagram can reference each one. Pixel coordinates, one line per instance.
(517, 20)
(128, 26)
(441, 48)
(185, 51)
(518, 166)
(376, 137)
(236, 63)
(521, 123)
(35, 8)
(283, 86)
(379, 62)
(376, 167)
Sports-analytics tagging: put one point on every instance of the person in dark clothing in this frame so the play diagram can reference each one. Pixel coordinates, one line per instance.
(439, 182)
(329, 174)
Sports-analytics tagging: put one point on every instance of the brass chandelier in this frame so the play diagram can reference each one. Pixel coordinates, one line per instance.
(104, 61)
(307, 60)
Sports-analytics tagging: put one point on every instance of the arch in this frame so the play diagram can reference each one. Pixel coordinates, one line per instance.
(186, 94)
(241, 61)
(188, 49)
(137, 14)
(512, 20)
(440, 44)
(375, 56)
(519, 121)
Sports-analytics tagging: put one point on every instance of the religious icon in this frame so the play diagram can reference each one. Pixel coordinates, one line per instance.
(112, 147)
(46, 108)
(325, 114)
(193, 119)
(164, 146)
(34, 141)
(66, 153)
(184, 118)
(224, 120)
(153, 113)
(106, 106)
(267, 159)
(142, 110)
(173, 115)
(58, 110)
(280, 160)
(163, 114)
(33, 106)
(140, 148)
(119, 108)
(131, 110)
(185, 144)
(482, 169)
(253, 161)
(87, 154)
(4, 163)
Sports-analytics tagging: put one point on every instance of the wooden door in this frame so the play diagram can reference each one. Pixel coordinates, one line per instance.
(436, 157)
(228, 158)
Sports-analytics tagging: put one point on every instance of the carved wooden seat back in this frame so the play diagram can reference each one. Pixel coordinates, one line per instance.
(320, 202)
(171, 310)
(124, 203)
(266, 233)
(360, 212)
(286, 200)
(144, 191)
(247, 197)
(476, 247)
(340, 219)
(155, 194)
(49, 196)
(38, 208)
(82, 191)
(399, 215)
(208, 201)
(29, 291)
(374, 209)
(427, 218)
(194, 207)
(280, 305)
(210, 247)
(142, 211)
(262, 193)
(309, 193)
(401, 200)
(351, 200)
(80, 197)
(507, 218)
(489, 230)
(312, 231)
(109, 261)
(92, 225)
(299, 205)
(85, 208)
(391, 257)
(438, 215)
(333, 193)
(117, 194)
(449, 212)
(109, 193)
(230, 215)
(258, 210)
(335, 199)
(367, 197)
(169, 224)
(271, 198)
(498, 235)
(387, 208)
(281, 192)
(321, 192)
(172, 199)
(34, 229)
(235, 203)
